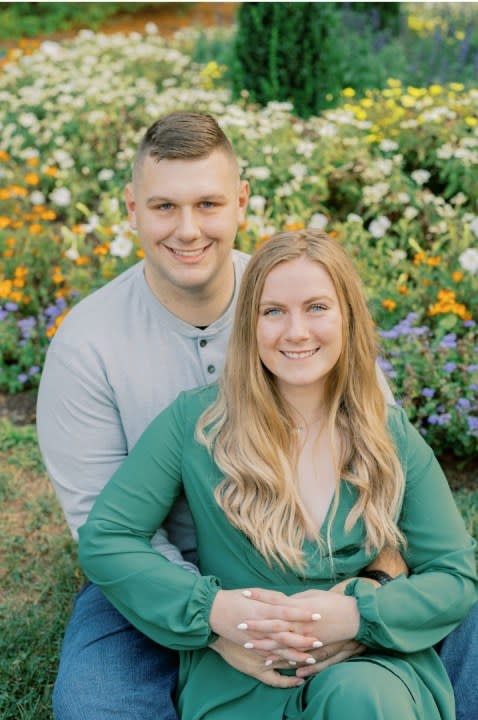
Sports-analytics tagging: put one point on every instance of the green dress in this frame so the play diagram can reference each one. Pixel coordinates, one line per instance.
(400, 677)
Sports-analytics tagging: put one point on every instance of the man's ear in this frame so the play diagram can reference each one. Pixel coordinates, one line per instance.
(243, 199)
(130, 204)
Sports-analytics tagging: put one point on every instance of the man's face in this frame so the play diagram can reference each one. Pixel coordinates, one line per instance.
(186, 213)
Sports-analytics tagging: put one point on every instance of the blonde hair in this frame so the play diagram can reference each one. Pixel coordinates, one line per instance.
(250, 431)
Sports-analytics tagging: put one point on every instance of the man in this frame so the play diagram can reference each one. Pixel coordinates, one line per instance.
(119, 358)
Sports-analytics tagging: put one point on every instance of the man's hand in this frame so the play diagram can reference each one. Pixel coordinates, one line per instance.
(391, 562)
(252, 664)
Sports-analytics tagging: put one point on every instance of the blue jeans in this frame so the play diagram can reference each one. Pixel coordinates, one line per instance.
(459, 654)
(109, 670)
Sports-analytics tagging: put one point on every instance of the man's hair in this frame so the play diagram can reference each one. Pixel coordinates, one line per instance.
(250, 429)
(181, 136)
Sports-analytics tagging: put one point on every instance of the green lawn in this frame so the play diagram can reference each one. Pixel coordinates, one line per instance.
(39, 575)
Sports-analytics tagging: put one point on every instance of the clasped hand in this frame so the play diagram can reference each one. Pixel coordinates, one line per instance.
(310, 630)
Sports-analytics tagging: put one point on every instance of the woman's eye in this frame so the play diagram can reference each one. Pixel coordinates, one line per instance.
(272, 311)
(317, 307)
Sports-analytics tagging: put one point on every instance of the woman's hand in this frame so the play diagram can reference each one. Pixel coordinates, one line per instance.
(285, 620)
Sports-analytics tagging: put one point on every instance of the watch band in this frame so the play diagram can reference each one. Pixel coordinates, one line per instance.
(380, 576)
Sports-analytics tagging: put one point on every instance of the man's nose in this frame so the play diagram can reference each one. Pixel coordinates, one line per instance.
(187, 229)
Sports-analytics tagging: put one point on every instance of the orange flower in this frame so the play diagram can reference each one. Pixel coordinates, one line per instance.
(457, 276)
(57, 276)
(403, 290)
(4, 194)
(4, 222)
(419, 258)
(8, 253)
(18, 190)
(290, 227)
(16, 296)
(5, 288)
(434, 261)
(101, 249)
(32, 161)
(140, 253)
(50, 171)
(4, 156)
(19, 283)
(32, 178)
(21, 271)
(389, 304)
(10, 241)
(48, 215)
(82, 260)
(35, 228)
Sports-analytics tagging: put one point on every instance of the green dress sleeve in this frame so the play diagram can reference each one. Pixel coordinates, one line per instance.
(414, 613)
(165, 601)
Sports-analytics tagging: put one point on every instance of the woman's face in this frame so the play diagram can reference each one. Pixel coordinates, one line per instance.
(299, 328)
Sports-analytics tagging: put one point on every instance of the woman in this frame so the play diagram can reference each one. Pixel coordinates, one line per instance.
(297, 474)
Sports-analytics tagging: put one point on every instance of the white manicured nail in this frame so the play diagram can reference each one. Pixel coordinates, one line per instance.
(249, 646)
(317, 644)
(242, 626)
(316, 616)
(247, 593)
(292, 662)
(268, 662)
(310, 661)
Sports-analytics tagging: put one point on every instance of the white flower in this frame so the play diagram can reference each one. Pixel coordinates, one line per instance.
(284, 190)
(259, 173)
(459, 199)
(298, 170)
(474, 226)
(384, 165)
(37, 198)
(410, 212)
(257, 203)
(27, 120)
(374, 193)
(305, 148)
(388, 145)
(318, 221)
(121, 246)
(396, 256)
(51, 49)
(105, 174)
(469, 260)
(445, 152)
(379, 226)
(72, 254)
(353, 217)
(420, 176)
(114, 204)
(151, 28)
(403, 197)
(61, 197)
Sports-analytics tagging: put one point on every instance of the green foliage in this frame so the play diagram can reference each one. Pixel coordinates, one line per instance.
(27, 19)
(286, 52)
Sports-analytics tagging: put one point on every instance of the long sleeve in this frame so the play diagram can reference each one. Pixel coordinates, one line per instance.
(410, 614)
(166, 602)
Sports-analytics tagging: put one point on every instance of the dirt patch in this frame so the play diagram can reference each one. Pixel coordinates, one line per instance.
(19, 408)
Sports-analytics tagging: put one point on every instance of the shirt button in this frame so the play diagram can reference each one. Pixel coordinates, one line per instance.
(211, 369)
(203, 343)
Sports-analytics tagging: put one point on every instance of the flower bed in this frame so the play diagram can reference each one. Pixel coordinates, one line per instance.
(392, 174)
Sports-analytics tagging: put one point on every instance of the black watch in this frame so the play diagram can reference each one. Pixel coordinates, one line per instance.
(380, 576)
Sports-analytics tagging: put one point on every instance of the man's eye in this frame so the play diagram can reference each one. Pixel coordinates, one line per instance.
(207, 204)
(164, 206)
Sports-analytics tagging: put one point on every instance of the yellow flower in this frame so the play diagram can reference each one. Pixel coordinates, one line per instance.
(407, 101)
(329, 97)
(457, 87)
(471, 121)
(32, 178)
(460, 35)
(416, 92)
(360, 114)
(348, 92)
(389, 304)
(366, 103)
(394, 83)
(435, 89)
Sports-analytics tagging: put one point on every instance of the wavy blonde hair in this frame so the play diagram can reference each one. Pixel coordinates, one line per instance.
(250, 431)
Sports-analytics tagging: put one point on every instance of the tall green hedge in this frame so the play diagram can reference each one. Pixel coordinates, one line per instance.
(286, 52)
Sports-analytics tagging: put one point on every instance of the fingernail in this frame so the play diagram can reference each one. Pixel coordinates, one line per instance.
(249, 646)
(316, 616)
(299, 682)
(317, 644)
(247, 593)
(268, 662)
(292, 662)
(310, 661)
(243, 626)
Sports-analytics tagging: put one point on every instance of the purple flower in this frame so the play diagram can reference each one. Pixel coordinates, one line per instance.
(449, 367)
(472, 424)
(389, 334)
(384, 364)
(472, 368)
(22, 377)
(11, 307)
(428, 392)
(449, 341)
(473, 386)
(3, 314)
(439, 419)
(469, 323)
(34, 370)
(463, 404)
(26, 326)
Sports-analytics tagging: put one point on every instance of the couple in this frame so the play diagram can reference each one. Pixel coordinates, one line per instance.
(122, 355)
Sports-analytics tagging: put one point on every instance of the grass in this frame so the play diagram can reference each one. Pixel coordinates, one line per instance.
(39, 575)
